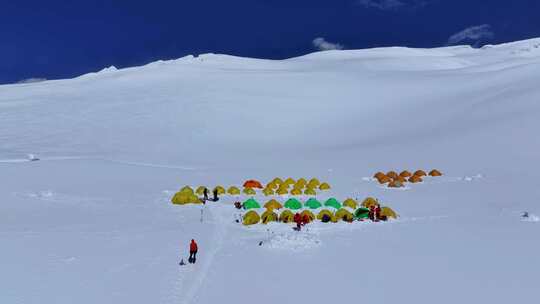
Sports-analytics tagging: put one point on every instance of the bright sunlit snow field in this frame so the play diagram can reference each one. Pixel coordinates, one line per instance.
(92, 222)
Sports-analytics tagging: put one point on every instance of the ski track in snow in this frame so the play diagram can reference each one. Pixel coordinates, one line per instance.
(219, 234)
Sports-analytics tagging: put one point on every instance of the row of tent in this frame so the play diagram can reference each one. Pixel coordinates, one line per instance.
(324, 215)
(395, 180)
(295, 204)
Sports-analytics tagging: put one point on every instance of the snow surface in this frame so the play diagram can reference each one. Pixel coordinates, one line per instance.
(91, 221)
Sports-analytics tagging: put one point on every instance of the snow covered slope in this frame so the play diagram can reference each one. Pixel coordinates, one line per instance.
(91, 221)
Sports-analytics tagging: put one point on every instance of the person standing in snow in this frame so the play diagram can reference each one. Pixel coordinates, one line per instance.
(205, 193)
(216, 198)
(377, 212)
(193, 248)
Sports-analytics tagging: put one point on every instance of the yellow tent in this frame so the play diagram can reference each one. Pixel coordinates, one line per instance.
(272, 186)
(268, 192)
(344, 214)
(286, 216)
(272, 205)
(369, 202)
(323, 212)
(313, 183)
(299, 185)
(187, 189)
(185, 198)
(200, 190)
(324, 186)
(220, 190)
(233, 190)
(302, 181)
(282, 191)
(251, 218)
(350, 203)
(310, 191)
(269, 216)
(310, 215)
(289, 181)
(278, 181)
(249, 191)
(388, 212)
(296, 191)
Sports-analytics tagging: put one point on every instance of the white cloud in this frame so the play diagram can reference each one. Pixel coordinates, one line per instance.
(381, 4)
(322, 45)
(473, 33)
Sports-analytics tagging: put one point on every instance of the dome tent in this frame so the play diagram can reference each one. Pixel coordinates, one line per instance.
(272, 205)
(420, 173)
(251, 204)
(182, 198)
(269, 216)
(293, 204)
(435, 172)
(220, 190)
(313, 183)
(344, 215)
(277, 181)
(200, 190)
(405, 174)
(368, 202)
(289, 181)
(233, 190)
(268, 192)
(392, 174)
(384, 179)
(415, 179)
(378, 175)
(325, 212)
(251, 218)
(313, 203)
(361, 213)
(309, 215)
(350, 203)
(249, 191)
(253, 184)
(286, 216)
(332, 202)
(282, 191)
(187, 189)
(272, 186)
(388, 213)
(324, 186)
(310, 191)
(296, 191)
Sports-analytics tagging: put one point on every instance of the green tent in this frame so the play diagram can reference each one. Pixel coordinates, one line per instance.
(332, 202)
(313, 203)
(293, 204)
(361, 213)
(251, 204)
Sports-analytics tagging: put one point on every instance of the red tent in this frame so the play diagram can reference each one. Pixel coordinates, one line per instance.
(253, 184)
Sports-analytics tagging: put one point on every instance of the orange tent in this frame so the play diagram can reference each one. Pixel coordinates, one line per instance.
(401, 179)
(384, 179)
(253, 184)
(392, 174)
(395, 184)
(405, 174)
(379, 175)
(435, 172)
(415, 179)
(420, 173)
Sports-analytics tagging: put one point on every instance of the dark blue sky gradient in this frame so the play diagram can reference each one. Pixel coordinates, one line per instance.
(61, 39)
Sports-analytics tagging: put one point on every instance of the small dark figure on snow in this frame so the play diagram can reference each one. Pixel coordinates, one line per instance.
(326, 218)
(193, 248)
(216, 198)
(298, 220)
(238, 205)
(205, 193)
(525, 214)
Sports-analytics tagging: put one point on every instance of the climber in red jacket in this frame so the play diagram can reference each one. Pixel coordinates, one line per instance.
(193, 248)
(298, 220)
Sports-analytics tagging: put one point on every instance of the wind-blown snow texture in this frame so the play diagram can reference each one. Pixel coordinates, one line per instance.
(91, 222)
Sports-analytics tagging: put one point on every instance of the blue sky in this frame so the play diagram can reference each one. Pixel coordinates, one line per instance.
(61, 39)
